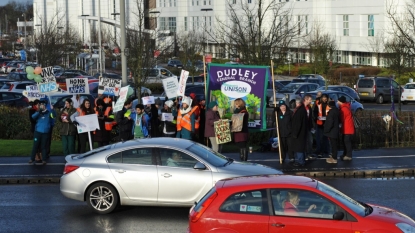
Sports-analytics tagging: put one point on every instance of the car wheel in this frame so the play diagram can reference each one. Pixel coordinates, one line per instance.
(380, 100)
(102, 198)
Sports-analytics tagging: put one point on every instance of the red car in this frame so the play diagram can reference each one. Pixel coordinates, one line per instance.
(289, 204)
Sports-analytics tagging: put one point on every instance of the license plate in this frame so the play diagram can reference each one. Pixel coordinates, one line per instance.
(410, 97)
(364, 93)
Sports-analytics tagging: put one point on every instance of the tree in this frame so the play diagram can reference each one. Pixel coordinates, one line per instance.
(257, 32)
(398, 55)
(191, 47)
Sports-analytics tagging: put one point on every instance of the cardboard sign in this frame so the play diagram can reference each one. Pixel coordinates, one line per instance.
(148, 100)
(32, 93)
(170, 85)
(182, 83)
(222, 131)
(121, 100)
(87, 123)
(77, 85)
(167, 117)
(109, 86)
(48, 83)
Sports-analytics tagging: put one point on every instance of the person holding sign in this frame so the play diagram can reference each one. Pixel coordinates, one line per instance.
(212, 115)
(241, 137)
(68, 129)
(84, 109)
(141, 120)
(186, 120)
(167, 119)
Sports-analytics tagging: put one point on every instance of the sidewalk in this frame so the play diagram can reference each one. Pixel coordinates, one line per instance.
(365, 163)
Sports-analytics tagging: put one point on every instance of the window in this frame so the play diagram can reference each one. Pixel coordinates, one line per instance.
(172, 24)
(170, 3)
(115, 158)
(138, 156)
(233, 1)
(345, 25)
(248, 202)
(370, 25)
(163, 23)
(193, 2)
(204, 2)
(174, 2)
(249, 1)
(174, 158)
(185, 23)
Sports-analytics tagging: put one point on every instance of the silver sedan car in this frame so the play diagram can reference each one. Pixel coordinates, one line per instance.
(149, 172)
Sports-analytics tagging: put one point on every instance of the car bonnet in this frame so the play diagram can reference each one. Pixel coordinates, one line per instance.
(247, 168)
(386, 214)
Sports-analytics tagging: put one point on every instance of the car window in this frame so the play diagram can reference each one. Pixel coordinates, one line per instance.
(301, 203)
(312, 87)
(174, 158)
(165, 72)
(382, 83)
(303, 89)
(7, 96)
(138, 156)
(207, 154)
(290, 88)
(22, 86)
(115, 158)
(247, 202)
(409, 86)
(395, 84)
(365, 83)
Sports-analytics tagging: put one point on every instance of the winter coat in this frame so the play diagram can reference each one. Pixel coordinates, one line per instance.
(346, 119)
(43, 121)
(242, 136)
(102, 135)
(299, 129)
(145, 123)
(67, 128)
(284, 123)
(331, 126)
(184, 133)
(32, 121)
(211, 117)
(154, 121)
(170, 126)
(125, 125)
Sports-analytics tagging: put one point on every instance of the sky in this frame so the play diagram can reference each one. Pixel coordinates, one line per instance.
(4, 2)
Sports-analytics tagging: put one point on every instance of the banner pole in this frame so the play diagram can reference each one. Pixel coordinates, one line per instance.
(90, 140)
(204, 78)
(276, 112)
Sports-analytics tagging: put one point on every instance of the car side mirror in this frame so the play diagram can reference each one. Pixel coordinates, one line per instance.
(199, 166)
(338, 215)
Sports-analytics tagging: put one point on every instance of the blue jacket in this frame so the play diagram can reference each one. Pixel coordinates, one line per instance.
(50, 109)
(144, 125)
(43, 121)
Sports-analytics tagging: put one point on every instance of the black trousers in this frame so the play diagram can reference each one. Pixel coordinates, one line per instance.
(347, 143)
(285, 148)
(334, 147)
(83, 139)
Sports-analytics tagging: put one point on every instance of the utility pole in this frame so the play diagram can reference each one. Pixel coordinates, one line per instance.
(123, 43)
(99, 38)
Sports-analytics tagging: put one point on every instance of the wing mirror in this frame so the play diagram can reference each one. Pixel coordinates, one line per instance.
(199, 166)
(338, 215)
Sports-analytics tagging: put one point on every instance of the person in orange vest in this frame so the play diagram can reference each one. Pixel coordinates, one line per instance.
(196, 110)
(186, 120)
(104, 113)
(84, 109)
(320, 112)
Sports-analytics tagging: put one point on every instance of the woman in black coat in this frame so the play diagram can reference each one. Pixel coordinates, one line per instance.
(299, 130)
(331, 130)
(284, 127)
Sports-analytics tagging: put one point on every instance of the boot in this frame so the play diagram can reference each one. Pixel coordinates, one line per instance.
(245, 154)
(241, 155)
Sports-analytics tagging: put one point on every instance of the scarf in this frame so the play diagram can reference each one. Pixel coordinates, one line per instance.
(184, 111)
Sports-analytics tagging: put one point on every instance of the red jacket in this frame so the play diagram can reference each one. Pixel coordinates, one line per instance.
(346, 119)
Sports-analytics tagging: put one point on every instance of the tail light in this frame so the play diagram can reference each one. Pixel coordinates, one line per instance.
(374, 89)
(69, 168)
(200, 208)
(11, 87)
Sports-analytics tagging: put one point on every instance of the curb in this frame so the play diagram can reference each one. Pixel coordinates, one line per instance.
(30, 179)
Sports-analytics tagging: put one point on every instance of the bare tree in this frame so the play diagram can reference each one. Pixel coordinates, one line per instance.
(398, 55)
(376, 44)
(191, 47)
(257, 32)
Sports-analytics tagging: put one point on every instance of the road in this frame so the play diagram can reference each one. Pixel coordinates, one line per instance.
(41, 208)
(387, 106)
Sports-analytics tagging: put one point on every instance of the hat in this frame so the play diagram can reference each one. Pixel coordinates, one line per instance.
(169, 103)
(192, 95)
(332, 103)
(282, 102)
(213, 104)
(342, 99)
(187, 100)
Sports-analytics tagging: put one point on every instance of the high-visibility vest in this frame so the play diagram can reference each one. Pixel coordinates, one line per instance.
(81, 113)
(108, 124)
(320, 113)
(184, 121)
(196, 110)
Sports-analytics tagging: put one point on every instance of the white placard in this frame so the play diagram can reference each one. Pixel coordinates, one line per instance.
(87, 123)
(48, 83)
(170, 85)
(121, 100)
(32, 93)
(77, 85)
(148, 100)
(109, 86)
(182, 83)
(167, 116)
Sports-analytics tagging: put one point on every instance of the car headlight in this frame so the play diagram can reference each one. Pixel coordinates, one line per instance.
(405, 228)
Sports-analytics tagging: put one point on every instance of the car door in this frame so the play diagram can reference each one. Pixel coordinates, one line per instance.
(291, 215)
(396, 92)
(7, 99)
(179, 182)
(135, 171)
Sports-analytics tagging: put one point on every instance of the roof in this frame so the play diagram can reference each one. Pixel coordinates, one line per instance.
(173, 142)
(265, 180)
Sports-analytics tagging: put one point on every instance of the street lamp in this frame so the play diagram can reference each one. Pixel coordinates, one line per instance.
(207, 41)
(115, 28)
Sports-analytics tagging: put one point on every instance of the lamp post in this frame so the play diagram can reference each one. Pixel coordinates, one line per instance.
(38, 25)
(123, 43)
(83, 31)
(207, 41)
(115, 28)
(101, 69)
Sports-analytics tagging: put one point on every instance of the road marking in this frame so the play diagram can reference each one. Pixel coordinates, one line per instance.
(27, 164)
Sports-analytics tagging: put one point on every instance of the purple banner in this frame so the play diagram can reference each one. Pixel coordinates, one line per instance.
(229, 82)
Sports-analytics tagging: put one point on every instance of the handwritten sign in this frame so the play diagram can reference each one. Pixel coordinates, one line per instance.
(77, 85)
(87, 123)
(222, 131)
(32, 93)
(121, 100)
(170, 85)
(109, 86)
(167, 117)
(148, 100)
(182, 83)
(48, 83)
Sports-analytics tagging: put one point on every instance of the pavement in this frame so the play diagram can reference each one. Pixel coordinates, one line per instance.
(366, 163)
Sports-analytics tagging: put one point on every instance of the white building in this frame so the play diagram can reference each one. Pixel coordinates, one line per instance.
(354, 23)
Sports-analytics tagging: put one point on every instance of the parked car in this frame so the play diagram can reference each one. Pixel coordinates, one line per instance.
(3, 80)
(270, 90)
(198, 65)
(284, 82)
(289, 204)
(12, 66)
(17, 76)
(335, 95)
(70, 73)
(155, 75)
(175, 63)
(345, 89)
(108, 75)
(58, 69)
(58, 99)
(319, 82)
(3, 62)
(13, 99)
(310, 76)
(17, 86)
(142, 172)
(377, 89)
(291, 91)
(93, 89)
(408, 94)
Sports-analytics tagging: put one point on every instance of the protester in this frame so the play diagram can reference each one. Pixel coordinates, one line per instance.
(105, 120)
(141, 122)
(347, 127)
(77, 100)
(41, 133)
(241, 138)
(331, 130)
(33, 110)
(284, 115)
(320, 111)
(212, 115)
(84, 109)
(300, 129)
(196, 109)
(186, 120)
(168, 126)
(202, 107)
(49, 107)
(125, 122)
(68, 129)
(155, 119)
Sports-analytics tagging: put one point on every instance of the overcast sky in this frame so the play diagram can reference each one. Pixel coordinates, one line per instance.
(4, 2)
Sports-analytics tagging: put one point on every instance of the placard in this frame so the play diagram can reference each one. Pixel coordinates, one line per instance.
(32, 93)
(48, 83)
(148, 100)
(87, 123)
(222, 131)
(170, 85)
(109, 86)
(121, 100)
(182, 83)
(77, 85)
(167, 116)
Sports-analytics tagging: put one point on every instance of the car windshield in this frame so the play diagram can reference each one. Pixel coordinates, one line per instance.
(290, 88)
(409, 86)
(356, 206)
(207, 154)
(55, 98)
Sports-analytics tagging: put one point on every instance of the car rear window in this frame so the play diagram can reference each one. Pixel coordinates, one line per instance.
(365, 83)
(246, 202)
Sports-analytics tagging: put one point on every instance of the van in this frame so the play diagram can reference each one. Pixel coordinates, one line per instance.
(377, 89)
(155, 75)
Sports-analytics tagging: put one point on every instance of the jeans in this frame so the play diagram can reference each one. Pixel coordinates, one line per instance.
(322, 147)
(300, 157)
(39, 140)
(215, 146)
(347, 143)
(309, 142)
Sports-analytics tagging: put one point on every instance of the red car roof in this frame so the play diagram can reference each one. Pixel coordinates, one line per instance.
(265, 180)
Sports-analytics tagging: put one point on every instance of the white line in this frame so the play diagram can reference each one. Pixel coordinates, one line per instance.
(37, 164)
